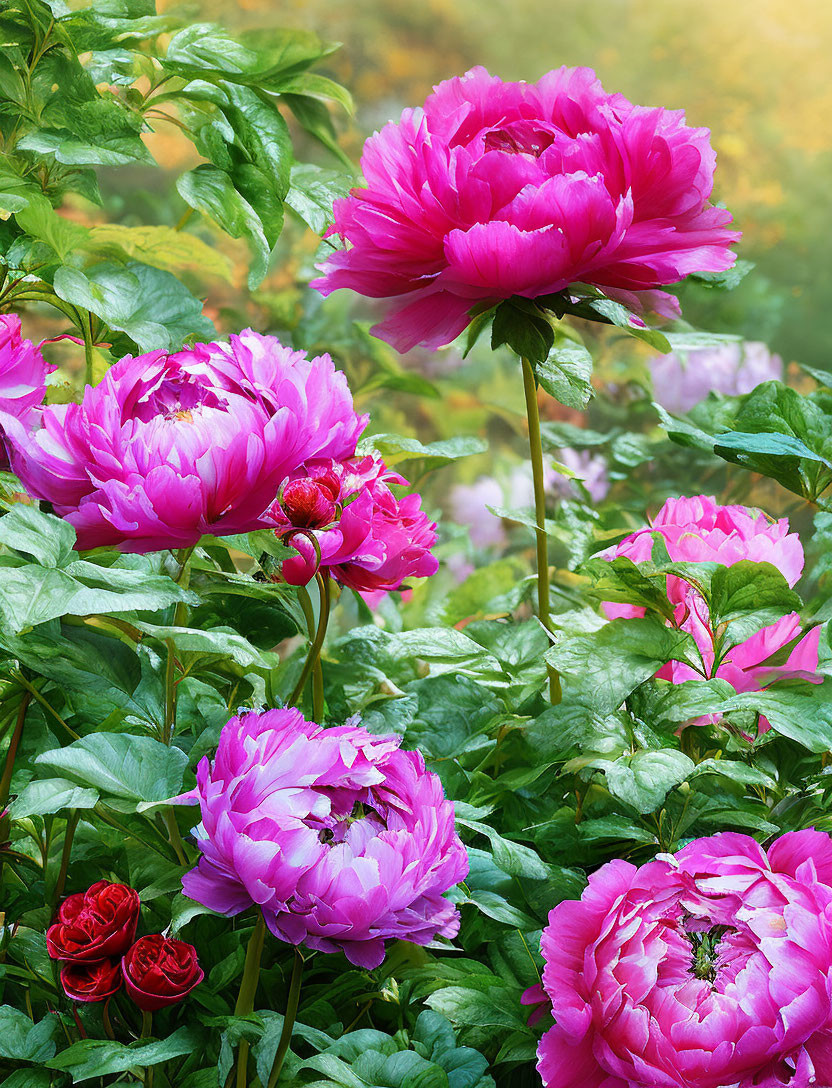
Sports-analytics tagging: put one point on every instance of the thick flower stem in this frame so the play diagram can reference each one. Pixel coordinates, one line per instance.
(248, 989)
(292, 1003)
(313, 659)
(536, 452)
(69, 835)
(8, 768)
(147, 1031)
(180, 616)
(89, 358)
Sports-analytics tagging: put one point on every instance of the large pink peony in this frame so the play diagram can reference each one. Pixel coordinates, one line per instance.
(339, 837)
(23, 371)
(698, 530)
(344, 518)
(712, 969)
(496, 189)
(169, 447)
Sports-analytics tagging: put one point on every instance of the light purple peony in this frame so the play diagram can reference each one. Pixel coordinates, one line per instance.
(682, 379)
(342, 840)
(169, 447)
(712, 969)
(496, 189)
(698, 530)
(23, 371)
(589, 468)
(343, 517)
(469, 503)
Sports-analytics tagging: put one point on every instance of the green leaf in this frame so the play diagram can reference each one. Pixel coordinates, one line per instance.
(41, 221)
(512, 857)
(312, 192)
(133, 768)
(30, 531)
(395, 449)
(212, 191)
(90, 1058)
(621, 581)
(525, 328)
(44, 796)
(691, 699)
(484, 1001)
(643, 780)
(803, 712)
(565, 373)
(497, 907)
(23, 1041)
(222, 642)
(610, 663)
(152, 307)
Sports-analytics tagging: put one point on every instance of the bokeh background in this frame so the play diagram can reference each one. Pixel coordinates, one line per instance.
(756, 72)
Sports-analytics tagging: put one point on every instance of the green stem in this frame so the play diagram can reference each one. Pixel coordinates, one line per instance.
(86, 330)
(314, 655)
(292, 1003)
(536, 452)
(69, 834)
(8, 769)
(248, 990)
(38, 697)
(180, 616)
(147, 1031)
(175, 836)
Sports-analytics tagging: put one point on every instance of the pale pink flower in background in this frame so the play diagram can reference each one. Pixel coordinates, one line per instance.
(683, 378)
(468, 505)
(696, 530)
(496, 189)
(589, 468)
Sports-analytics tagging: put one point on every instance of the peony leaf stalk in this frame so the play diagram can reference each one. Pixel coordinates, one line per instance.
(292, 1002)
(248, 989)
(536, 452)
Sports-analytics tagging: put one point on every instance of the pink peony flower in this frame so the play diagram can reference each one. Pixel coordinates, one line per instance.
(707, 970)
(698, 530)
(496, 189)
(343, 517)
(339, 837)
(169, 447)
(682, 379)
(23, 371)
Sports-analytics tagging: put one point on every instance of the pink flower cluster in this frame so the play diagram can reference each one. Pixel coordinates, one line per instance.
(339, 837)
(496, 189)
(698, 530)
(171, 447)
(343, 517)
(709, 969)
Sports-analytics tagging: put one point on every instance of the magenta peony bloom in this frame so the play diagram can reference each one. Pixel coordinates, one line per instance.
(682, 379)
(169, 447)
(698, 530)
(497, 189)
(339, 837)
(712, 969)
(23, 371)
(344, 518)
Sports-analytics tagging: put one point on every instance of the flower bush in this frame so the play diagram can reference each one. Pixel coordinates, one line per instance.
(460, 720)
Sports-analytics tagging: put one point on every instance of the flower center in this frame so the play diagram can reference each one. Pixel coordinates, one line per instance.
(178, 399)
(705, 951)
(519, 138)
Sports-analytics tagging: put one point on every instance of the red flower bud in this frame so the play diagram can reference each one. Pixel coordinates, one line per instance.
(94, 925)
(91, 981)
(310, 504)
(160, 971)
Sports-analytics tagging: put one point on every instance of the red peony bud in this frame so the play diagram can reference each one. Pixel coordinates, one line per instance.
(310, 504)
(160, 971)
(94, 925)
(91, 981)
